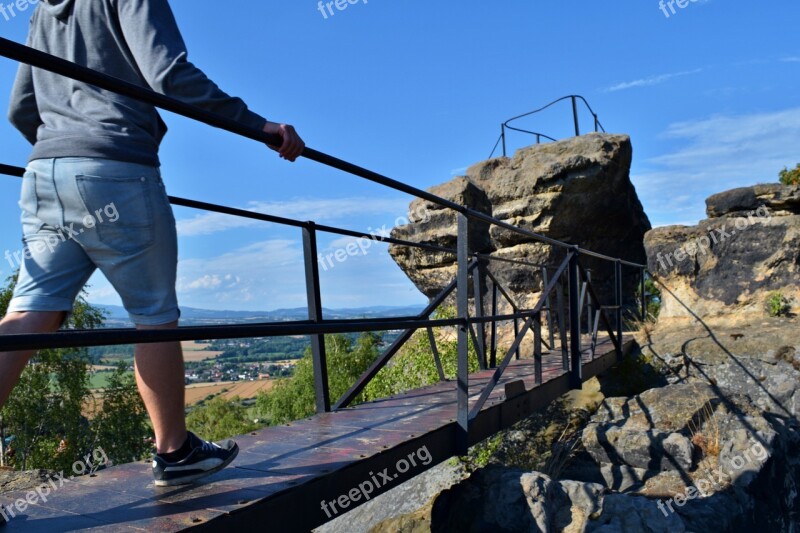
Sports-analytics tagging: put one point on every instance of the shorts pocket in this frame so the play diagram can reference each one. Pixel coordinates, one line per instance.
(119, 210)
(29, 204)
(28, 200)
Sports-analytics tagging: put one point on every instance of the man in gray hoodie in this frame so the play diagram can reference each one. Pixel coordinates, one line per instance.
(92, 196)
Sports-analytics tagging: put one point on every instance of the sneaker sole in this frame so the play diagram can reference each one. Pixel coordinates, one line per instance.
(191, 479)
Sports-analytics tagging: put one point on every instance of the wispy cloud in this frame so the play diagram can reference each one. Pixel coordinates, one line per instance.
(322, 210)
(265, 274)
(791, 59)
(269, 274)
(716, 154)
(652, 80)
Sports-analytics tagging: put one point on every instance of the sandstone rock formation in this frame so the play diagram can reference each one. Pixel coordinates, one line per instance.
(731, 468)
(577, 190)
(747, 248)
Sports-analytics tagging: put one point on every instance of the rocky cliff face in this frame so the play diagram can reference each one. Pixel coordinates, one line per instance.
(577, 190)
(715, 447)
(747, 248)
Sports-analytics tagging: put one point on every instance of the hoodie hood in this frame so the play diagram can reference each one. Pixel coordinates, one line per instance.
(59, 9)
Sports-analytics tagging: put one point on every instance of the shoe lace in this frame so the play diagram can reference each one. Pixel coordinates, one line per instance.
(208, 446)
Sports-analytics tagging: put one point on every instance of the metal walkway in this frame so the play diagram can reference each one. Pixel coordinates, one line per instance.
(284, 473)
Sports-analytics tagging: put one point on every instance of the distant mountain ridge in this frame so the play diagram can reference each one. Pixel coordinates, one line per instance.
(116, 316)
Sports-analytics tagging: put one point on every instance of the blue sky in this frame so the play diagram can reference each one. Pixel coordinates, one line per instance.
(417, 89)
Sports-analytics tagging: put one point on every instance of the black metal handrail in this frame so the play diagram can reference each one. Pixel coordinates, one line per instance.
(575, 118)
(468, 264)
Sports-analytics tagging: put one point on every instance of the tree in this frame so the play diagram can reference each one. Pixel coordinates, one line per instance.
(412, 367)
(295, 398)
(790, 177)
(121, 427)
(220, 419)
(46, 413)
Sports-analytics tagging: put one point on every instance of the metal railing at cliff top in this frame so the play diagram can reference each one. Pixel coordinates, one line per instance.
(564, 314)
(574, 98)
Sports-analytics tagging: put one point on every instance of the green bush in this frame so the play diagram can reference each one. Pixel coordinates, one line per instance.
(411, 368)
(295, 398)
(49, 412)
(414, 366)
(777, 304)
(790, 177)
(220, 419)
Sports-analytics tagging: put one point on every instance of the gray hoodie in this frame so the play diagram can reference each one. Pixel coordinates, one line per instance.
(135, 40)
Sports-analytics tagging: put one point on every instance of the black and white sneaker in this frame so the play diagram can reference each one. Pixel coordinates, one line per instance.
(204, 459)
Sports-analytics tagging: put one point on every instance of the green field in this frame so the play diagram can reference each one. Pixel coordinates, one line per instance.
(99, 379)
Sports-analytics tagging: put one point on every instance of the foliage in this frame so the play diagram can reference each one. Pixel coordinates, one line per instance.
(790, 177)
(653, 298)
(45, 412)
(295, 398)
(777, 304)
(121, 425)
(414, 366)
(220, 419)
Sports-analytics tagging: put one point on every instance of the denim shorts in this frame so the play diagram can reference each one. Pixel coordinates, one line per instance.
(80, 214)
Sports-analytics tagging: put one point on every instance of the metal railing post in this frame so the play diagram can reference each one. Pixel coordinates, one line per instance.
(537, 348)
(462, 299)
(618, 300)
(477, 284)
(562, 324)
(314, 299)
(493, 355)
(644, 295)
(551, 331)
(576, 364)
(503, 136)
(575, 116)
(590, 312)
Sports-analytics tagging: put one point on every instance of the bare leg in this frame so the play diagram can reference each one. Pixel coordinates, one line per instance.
(13, 363)
(160, 378)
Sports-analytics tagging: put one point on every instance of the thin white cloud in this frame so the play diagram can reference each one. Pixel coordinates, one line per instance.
(652, 80)
(321, 210)
(716, 154)
(791, 59)
(261, 275)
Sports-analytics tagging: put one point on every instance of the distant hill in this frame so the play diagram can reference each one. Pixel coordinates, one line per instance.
(117, 316)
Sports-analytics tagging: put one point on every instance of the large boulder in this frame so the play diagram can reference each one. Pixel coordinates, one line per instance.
(746, 251)
(577, 190)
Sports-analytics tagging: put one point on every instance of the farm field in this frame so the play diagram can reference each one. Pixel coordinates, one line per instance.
(242, 389)
(200, 391)
(193, 352)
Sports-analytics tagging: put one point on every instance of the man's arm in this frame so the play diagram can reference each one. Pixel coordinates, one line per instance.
(23, 112)
(157, 45)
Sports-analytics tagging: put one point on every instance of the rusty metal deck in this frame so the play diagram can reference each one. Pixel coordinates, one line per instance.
(283, 473)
